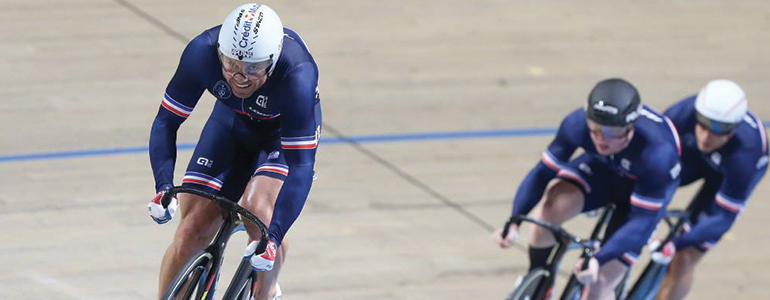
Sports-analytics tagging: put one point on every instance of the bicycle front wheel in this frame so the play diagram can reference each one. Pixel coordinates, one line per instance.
(531, 287)
(647, 285)
(191, 279)
(573, 290)
(243, 282)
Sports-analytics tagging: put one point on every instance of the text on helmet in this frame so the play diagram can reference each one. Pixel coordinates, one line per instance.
(600, 106)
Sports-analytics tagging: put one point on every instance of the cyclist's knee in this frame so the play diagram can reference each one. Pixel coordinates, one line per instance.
(195, 230)
(261, 194)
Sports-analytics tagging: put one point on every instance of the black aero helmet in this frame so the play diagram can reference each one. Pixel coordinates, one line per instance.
(613, 102)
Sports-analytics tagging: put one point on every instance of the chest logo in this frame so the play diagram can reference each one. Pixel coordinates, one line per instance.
(626, 164)
(716, 158)
(222, 90)
(262, 101)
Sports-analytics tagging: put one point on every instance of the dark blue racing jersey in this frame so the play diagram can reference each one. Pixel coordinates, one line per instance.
(651, 161)
(289, 97)
(741, 162)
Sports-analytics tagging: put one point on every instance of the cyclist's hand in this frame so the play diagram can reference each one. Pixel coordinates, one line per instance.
(159, 214)
(264, 261)
(506, 242)
(664, 254)
(590, 274)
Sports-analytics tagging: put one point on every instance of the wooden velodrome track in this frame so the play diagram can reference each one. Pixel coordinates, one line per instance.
(389, 218)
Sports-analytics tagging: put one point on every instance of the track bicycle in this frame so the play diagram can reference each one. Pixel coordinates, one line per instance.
(539, 283)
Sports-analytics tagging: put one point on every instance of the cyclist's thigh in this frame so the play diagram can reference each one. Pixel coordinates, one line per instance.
(267, 180)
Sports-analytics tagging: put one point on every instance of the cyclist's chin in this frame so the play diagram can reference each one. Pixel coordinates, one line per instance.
(610, 148)
(244, 92)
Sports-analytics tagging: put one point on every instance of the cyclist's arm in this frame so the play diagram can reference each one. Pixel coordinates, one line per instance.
(182, 93)
(552, 160)
(652, 193)
(299, 139)
(738, 181)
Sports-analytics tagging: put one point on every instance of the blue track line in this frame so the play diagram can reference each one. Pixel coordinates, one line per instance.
(453, 135)
(363, 139)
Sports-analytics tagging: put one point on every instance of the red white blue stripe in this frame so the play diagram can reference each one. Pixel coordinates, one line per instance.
(676, 135)
(576, 177)
(275, 168)
(646, 203)
(175, 107)
(305, 142)
(729, 204)
(551, 161)
(762, 132)
(268, 117)
(629, 257)
(202, 179)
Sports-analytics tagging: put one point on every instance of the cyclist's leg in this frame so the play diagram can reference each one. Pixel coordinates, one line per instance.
(199, 220)
(681, 272)
(259, 198)
(566, 196)
(209, 168)
(610, 275)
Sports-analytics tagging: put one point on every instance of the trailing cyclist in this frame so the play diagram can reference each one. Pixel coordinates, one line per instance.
(725, 145)
(631, 156)
(260, 140)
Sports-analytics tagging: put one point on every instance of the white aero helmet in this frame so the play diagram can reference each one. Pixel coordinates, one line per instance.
(720, 106)
(252, 33)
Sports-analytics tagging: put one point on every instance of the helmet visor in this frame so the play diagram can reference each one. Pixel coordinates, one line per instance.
(615, 132)
(719, 128)
(609, 132)
(246, 69)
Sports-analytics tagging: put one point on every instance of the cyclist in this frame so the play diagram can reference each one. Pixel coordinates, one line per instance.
(630, 153)
(726, 145)
(261, 136)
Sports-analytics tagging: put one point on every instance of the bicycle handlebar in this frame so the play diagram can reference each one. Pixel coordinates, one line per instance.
(556, 230)
(225, 204)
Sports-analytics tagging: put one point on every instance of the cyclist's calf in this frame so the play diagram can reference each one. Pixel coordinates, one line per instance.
(198, 224)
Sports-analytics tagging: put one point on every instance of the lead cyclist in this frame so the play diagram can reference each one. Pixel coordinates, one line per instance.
(259, 141)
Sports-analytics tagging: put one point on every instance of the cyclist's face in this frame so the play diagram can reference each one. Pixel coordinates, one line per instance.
(244, 78)
(608, 139)
(709, 141)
